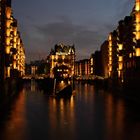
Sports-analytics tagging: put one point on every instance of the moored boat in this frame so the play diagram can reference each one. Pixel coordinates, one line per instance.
(65, 92)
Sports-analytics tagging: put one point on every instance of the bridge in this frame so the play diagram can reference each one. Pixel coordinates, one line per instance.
(43, 76)
(36, 77)
(89, 77)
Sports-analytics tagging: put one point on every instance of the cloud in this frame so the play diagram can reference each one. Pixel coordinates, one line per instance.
(86, 40)
(86, 24)
(124, 7)
(42, 38)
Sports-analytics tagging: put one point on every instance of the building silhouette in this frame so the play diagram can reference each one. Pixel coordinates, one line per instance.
(12, 53)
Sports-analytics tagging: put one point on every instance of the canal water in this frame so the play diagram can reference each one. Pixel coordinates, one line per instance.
(90, 113)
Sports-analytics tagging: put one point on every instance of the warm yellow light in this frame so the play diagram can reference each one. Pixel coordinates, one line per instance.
(110, 58)
(91, 61)
(120, 46)
(110, 37)
(110, 43)
(110, 62)
(8, 71)
(52, 57)
(8, 12)
(120, 58)
(137, 17)
(110, 68)
(8, 22)
(14, 56)
(7, 49)
(138, 27)
(15, 31)
(15, 39)
(18, 41)
(137, 35)
(56, 57)
(7, 41)
(137, 7)
(109, 73)
(14, 64)
(120, 66)
(130, 55)
(110, 53)
(63, 57)
(14, 45)
(8, 32)
(119, 73)
(110, 48)
(137, 52)
(91, 69)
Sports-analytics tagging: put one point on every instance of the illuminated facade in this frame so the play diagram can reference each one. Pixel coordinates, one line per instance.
(104, 59)
(12, 50)
(136, 13)
(124, 48)
(82, 68)
(62, 57)
(91, 64)
(137, 19)
(112, 55)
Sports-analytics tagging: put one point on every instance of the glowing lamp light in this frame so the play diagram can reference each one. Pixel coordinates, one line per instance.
(137, 52)
(137, 7)
(120, 46)
(8, 12)
(120, 58)
(120, 66)
(7, 49)
(119, 73)
(110, 37)
(137, 35)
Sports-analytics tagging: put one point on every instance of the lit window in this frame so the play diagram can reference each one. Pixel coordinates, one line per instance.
(119, 73)
(120, 58)
(110, 68)
(110, 58)
(120, 46)
(120, 66)
(130, 55)
(137, 7)
(137, 52)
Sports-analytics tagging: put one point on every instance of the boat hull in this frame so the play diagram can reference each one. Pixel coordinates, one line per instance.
(66, 92)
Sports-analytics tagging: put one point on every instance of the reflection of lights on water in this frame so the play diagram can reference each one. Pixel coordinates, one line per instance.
(72, 102)
(62, 105)
(33, 87)
(54, 102)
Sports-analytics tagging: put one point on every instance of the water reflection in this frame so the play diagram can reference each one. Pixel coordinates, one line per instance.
(62, 118)
(16, 120)
(92, 113)
(33, 85)
(115, 112)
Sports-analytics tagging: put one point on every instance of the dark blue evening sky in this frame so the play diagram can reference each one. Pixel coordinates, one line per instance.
(85, 23)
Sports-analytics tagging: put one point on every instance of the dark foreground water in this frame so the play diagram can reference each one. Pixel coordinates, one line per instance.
(89, 114)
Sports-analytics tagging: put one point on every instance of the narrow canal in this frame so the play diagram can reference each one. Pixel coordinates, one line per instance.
(89, 114)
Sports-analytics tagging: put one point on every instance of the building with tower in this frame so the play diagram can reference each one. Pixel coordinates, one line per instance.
(62, 61)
